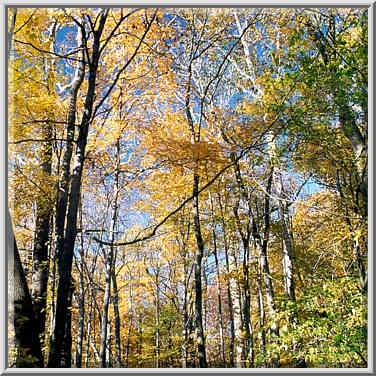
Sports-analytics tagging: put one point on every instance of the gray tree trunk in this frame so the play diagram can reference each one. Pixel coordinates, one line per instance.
(228, 287)
(287, 246)
(29, 353)
(264, 263)
(88, 335)
(110, 260)
(219, 294)
(237, 312)
(106, 303)
(81, 321)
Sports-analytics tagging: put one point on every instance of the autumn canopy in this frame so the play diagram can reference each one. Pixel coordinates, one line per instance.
(187, 187)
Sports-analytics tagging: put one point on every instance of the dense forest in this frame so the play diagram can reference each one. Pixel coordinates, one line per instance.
(187, 187)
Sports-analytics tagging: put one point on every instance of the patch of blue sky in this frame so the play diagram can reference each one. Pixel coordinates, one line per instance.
(66, 45)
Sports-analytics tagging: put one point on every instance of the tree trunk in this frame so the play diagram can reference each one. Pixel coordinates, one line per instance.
(80, 297)
(21, 308)
(53, 291)
(261, 312)
(104, 323)
(109, 346)
(63, 186)
(65, 254)
(67, 349)
(184, 343)
(139, 351)
(199, 331)
(245, 234)
(246, 340)
(287, 249)
(115, 303)
(186, 320)
(29, 353)
(249, 350)
(219, 294)
(44, 214)
(40, 252)
(263, 245)
(157, 323)
(228, 288)
(88, 335)
(61, 208)
(358, 139)
(237, 312)
(127, 347)
(110, 260)
(81, 321)
(287, 262)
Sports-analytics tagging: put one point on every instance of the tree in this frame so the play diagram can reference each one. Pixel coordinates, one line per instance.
(188, 187)
(28, 346)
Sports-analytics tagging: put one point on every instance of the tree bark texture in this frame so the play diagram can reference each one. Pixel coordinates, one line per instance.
(29, 353)
(41, 240)
(65, 254)
(228, 285)
(199, 331)
(81, 321)
(40, 268)
(115, 303)
(110, 261)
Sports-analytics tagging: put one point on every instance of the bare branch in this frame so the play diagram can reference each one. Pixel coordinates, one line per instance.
(36, 140)
(26, 22)
(190, 198)
(125, 66)
(50, 52)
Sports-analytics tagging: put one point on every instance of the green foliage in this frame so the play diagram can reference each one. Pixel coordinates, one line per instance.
(332, 326)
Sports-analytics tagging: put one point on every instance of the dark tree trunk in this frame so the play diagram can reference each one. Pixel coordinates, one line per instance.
(40, 252)
(246, 354)
(60, 219)
(67, 349)
(261, 312)
(53, 289)
(63, 186)
(65, 254)
(262, 245)
(199, 331)
(115, 303)
(29, 353)
(44, 214)
(186, 320)
(219, 294)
